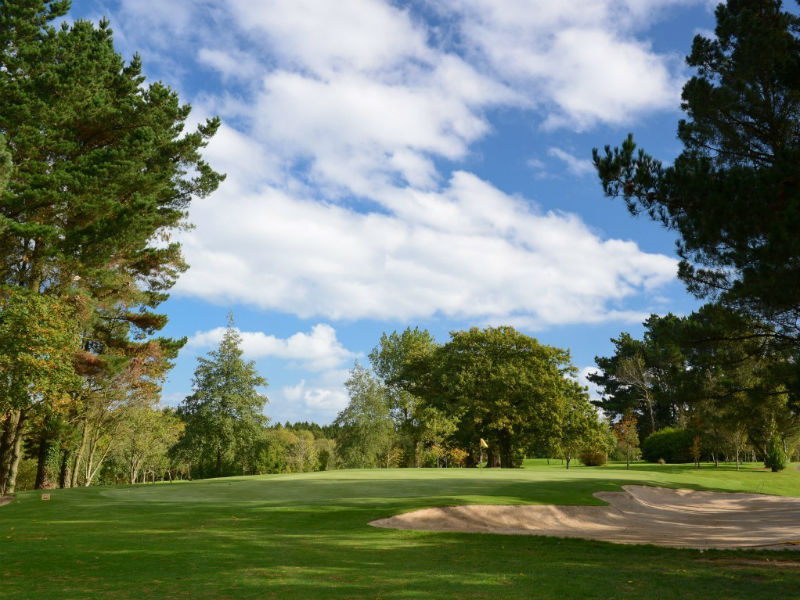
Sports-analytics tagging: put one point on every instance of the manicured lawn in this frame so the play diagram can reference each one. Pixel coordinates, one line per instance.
(306, 536)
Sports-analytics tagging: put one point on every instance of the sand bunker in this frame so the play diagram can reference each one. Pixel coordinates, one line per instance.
(639, 515)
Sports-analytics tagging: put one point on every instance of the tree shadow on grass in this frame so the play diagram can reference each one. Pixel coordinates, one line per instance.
(310, 539)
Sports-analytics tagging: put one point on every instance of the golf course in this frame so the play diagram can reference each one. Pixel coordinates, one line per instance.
(307, 536)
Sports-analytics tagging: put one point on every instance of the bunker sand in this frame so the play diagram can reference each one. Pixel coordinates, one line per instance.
(639, 515)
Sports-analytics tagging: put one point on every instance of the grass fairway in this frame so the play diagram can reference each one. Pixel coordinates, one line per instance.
(306, 536)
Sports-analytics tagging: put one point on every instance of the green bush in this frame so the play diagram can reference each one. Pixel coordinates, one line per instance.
(517, 457)
(775, 458)
(593, 458)
(673, 445)
(26, 476)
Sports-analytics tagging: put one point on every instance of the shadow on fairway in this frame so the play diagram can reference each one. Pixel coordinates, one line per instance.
(307, 537)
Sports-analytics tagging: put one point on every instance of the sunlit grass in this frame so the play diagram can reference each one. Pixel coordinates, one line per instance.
(306, 536)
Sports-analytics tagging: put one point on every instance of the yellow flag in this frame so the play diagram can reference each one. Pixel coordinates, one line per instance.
(484, 444)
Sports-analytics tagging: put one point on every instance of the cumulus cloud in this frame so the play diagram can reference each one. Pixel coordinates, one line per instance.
(468, 250)
(335, 206)
(303, 400)
(318, 350)
(320, 394)
(580, 60)
(344, 124)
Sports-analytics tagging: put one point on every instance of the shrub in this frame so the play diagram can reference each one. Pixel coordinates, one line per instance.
(457, 457)
(775, 458)
(593, 458)
(26, 476)
(673, 445)
(517, 457)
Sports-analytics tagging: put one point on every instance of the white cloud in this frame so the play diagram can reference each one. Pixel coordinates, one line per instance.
(320, 395)
(706, 33)
(229, 64)
(334, 206)
(359, 130)
(583, 379)
(336, 115)
(577, 166)
(318, 350)
(319, 399)
(315, 399)
(580, 61)
(330, 37)
(468, 250)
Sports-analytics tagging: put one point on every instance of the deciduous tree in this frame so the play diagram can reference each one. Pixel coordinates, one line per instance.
(501, 385)
(627, 437)
(365, 430)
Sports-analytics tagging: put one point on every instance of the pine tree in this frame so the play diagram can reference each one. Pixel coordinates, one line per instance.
(733, 194)
(95, 173)
(223, 415)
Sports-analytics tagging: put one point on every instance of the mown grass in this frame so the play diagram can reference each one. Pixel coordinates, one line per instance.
(306, 536)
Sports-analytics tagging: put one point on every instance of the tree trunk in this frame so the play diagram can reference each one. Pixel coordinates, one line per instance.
(16, 454)
(88, 464)
(41, 458)
(76, 461)
(652, 416)
(91, 473)
(6, 444)
(506, 461)
(219, 462)
(493, 456)
(64, 473)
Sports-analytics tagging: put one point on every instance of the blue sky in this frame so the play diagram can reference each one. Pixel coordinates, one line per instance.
(419, 163)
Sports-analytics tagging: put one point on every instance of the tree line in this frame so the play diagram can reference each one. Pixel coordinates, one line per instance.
(724, 380)
(96, 173)
(427, 404)
(487, 397)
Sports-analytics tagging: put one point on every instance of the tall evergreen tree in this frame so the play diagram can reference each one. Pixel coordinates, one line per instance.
(98, 171)
(733, 194)
(224, 415)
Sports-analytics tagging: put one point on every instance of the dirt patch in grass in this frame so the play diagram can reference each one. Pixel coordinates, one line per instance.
(5, 500)
(638, 515)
